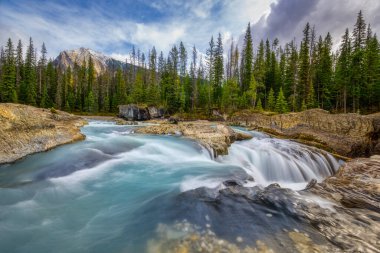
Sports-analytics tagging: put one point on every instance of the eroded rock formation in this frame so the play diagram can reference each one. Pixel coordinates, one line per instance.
(351, 135)
(26, 130)
(340, 214)
(215, 137)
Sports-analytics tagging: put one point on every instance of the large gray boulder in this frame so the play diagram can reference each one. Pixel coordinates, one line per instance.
(155, 112)
(135, 112)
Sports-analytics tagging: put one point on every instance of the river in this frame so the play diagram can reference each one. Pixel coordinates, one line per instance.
(113, 191)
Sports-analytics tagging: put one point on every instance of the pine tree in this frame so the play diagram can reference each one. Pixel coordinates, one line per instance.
(193, 71)
(42, 76)
(252, 92)
(281, 104)
(247, 60)
(19, 66)
(343, 71)
(357, 67)
(259, 105)
(304, 73)
(371, 62)
(259, 71)
(210, 61)
(291, 72)
(30, 81)
(326, 73)
(8, 91)
(218, 71)
(182, 59)
(271, 101)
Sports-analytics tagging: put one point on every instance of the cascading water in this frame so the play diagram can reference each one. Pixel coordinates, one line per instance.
(109, 192)
(269, 160)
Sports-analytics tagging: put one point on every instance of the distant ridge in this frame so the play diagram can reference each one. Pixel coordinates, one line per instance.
(102, 63)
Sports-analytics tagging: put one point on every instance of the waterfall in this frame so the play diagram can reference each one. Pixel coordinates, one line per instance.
(289, 163)
(109, 192)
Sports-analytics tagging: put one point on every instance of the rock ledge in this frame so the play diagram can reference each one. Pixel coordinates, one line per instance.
(26, 130)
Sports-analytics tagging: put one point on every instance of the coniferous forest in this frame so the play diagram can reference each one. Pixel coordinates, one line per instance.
(269, 76)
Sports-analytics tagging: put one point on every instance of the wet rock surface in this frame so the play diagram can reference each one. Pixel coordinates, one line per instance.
(341, 214)
(26, 130)
(356, 185)
(215, 137)
(350, 134)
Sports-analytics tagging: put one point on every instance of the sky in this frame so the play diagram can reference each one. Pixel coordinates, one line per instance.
(113, 27)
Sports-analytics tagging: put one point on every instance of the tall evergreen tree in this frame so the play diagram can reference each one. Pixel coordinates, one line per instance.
(304, 72)
(218, 72)
(42, 75)
(19, 66)
(357, 67)
(247, 60)
(210, 54)
(270, 106)
(343, 70)
(8, 91)
(30, 81)
(281, 104)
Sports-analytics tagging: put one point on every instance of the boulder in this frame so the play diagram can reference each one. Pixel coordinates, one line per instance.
(133, 112)
(155, 112)
(341, 214)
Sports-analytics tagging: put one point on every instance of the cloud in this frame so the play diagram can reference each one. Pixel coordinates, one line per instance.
(287, 18)
(114, 28)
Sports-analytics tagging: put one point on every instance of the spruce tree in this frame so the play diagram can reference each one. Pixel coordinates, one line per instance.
(357, 67)
(19, 66)
(8, 91)
(343, 70)
(259, 70)
(281, 104)
(247, 60)
(291, 75)
(304, 72)
(326, 73)
(30, 80)
(42, 75)
(210, 61)
(218, 71)
(182, 59)
(270, 106)
(259, 105)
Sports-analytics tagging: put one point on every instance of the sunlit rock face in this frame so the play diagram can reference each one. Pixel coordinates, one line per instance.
(26, 130)
(79, 56)
(348, 134)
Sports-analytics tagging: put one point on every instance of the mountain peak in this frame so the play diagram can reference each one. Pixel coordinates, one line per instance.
(80, 55)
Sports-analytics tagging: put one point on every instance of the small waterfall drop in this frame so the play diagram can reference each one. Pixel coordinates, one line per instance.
(288, 163)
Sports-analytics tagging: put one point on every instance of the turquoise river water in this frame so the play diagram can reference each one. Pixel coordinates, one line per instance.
(110, 192)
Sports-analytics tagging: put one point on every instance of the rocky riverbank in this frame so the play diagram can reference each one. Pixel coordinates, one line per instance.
(341, 214)
(350, 134)
(26, 130)
(215, 137)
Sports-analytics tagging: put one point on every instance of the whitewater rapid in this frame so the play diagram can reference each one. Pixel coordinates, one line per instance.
(109, 192)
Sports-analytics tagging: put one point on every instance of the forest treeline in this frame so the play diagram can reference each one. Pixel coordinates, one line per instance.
(292, 77)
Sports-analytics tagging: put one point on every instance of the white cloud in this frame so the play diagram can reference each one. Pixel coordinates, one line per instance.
(192, 22)
(288, 18)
